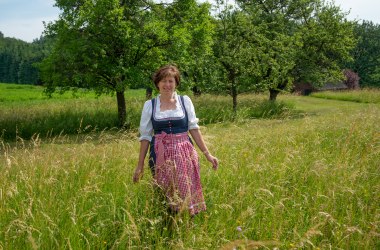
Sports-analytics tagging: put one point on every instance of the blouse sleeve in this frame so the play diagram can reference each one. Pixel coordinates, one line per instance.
(193, 120)
(146, 127)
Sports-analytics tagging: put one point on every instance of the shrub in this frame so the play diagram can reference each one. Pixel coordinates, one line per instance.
(351, 79)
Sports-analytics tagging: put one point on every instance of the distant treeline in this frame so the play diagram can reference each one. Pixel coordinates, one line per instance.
(18, 59)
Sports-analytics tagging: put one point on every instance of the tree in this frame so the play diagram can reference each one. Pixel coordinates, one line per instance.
(109, 45)
(327, 39)
(98, 46)
(235, 52)
(309, 40)
(366, 54)
(351, 79)
(193, 26)
(280, 43)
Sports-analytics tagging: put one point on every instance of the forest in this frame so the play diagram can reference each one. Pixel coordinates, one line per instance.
(18, 60)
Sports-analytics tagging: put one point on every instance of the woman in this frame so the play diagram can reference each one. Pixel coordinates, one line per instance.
(173, 158)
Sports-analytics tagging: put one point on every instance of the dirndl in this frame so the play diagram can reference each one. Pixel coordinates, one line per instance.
(177, 172)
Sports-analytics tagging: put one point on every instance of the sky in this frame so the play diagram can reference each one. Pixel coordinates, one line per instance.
(23, 19)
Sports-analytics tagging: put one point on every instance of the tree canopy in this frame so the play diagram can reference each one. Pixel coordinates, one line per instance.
(109, 45)
(366, 54)
(305, 41)
(252, 45)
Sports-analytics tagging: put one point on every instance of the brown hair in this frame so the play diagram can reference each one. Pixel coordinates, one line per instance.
(165, 71)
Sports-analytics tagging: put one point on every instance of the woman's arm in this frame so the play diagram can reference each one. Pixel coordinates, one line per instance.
(197, 136)
(139, 171)
(146, 129)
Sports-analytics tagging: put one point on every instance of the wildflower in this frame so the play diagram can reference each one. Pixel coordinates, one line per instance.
(239, 229)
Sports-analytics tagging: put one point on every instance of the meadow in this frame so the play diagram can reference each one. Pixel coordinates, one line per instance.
(27, 113)
(303, 174)
(363, 95)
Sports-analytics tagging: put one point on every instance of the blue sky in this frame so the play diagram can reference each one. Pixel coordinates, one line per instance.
(23, 19)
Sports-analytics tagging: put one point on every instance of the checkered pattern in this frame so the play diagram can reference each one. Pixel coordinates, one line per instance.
(177, 172)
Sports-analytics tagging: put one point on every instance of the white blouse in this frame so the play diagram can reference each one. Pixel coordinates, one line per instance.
(146, 127)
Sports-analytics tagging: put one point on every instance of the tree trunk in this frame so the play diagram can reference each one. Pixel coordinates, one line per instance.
(148, 93)
(273, 94)
(121, 108)
(196, 91)
(234, 98)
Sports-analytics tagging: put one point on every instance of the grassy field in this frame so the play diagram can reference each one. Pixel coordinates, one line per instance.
(364, 95)
(27, 113)
(307, 179)
(14, 93)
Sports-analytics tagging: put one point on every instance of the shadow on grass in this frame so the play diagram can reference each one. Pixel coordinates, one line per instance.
(67, 122)
(73, 122)
(219, 112)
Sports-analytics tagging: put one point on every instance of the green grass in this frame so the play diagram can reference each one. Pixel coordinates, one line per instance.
(23, 92)
(299, 182)
(363, 96)
(19, 94)
(27, 113)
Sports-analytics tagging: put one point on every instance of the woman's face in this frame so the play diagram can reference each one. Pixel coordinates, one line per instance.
(167, 85)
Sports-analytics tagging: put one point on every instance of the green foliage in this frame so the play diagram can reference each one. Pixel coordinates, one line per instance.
(111, 45)
(269, 45)
(366, 54)
(236, 53)
(192, 28)
(271, 109)
(290, 184)
(327, 39)
(18, 59)
(279, 41)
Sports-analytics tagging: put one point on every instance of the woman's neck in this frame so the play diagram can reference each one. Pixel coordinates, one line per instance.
(166, 97)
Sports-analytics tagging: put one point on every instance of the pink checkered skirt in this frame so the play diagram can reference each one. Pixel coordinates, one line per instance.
(177, 172)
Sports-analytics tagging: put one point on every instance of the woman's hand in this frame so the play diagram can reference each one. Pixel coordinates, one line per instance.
(139, 172)
(214, 161)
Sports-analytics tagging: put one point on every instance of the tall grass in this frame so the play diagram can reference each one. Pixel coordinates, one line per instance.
(27, 113)
(283, 183)
(69, 117)
(364, 95)
(218, 109)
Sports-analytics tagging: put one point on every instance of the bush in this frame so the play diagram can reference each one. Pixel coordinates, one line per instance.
(270, 109)
(352, 79)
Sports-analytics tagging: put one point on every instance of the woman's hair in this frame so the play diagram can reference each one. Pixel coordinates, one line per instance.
(165, 71)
